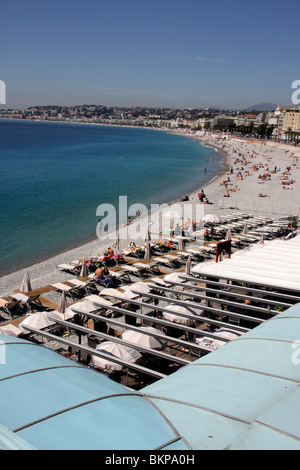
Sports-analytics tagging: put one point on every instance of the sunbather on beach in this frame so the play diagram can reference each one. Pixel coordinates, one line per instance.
(103, 276)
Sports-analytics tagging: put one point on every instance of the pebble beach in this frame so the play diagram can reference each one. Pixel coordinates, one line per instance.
(259, 177)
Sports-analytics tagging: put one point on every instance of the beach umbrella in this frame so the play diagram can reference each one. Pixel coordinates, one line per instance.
(85, 305)
(7, 332)
(63, 303)
(99, 229)
(148, 236)
(140, 287)
(116, 245)
(146, 340)
(37, 320)
(211, 218)
(84, 269)
(173, 277)
(198, 233)
(116, 350)
(212, 344)
(180, 244)
(188, 265)
(228, 235)
(174, 311)
(245, 231)
(147, 252)
(26, 284)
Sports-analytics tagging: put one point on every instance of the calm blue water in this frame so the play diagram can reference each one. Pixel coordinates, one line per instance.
(55, 175)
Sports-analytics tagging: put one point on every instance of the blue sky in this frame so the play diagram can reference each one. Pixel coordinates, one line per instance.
(164, 53)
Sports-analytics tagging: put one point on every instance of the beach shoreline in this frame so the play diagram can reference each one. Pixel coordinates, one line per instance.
(244, 199)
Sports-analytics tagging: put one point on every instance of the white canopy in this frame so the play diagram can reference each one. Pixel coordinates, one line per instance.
(275, 264)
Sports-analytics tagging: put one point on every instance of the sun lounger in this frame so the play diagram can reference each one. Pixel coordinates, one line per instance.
(68, 268)
(147, 266)
(168, 260)
(11, 306)
(134, 269)
(121, 275)
(64, 288)
(79, 284)
(26, 300)
(99, 301)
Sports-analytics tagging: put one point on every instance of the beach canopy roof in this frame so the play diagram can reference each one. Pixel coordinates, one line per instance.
(273, 264)
(69, 406)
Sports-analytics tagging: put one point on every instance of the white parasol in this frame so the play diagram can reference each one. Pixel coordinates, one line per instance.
(142, 339)
(211, 218)
(36, 320)
(115, 350)
(26, 284)
(174, 309)
(84, 269)
(63, 303)
(85, 306)
(245, 231)
(228, 235)
(188, 265)
(147, 251)
(141, 287)
(173, 277)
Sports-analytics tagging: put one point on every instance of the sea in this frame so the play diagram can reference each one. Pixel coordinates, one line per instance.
(55, 175)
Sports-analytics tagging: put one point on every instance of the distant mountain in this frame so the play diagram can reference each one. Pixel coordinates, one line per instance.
(262, 107)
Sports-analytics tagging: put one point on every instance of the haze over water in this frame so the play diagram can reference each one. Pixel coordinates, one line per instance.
(55, 175)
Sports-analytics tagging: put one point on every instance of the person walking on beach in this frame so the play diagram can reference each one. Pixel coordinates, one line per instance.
(201, 195)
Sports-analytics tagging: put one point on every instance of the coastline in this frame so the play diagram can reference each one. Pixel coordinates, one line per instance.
(246, 199)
